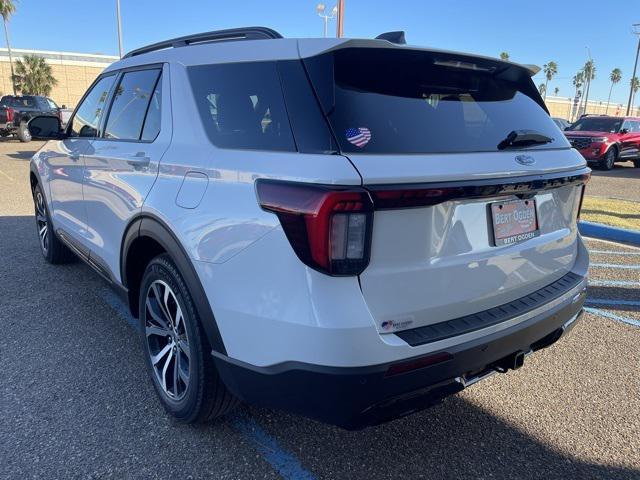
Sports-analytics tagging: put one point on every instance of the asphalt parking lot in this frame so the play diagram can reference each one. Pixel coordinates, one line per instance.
(76, 403)
(623, 182)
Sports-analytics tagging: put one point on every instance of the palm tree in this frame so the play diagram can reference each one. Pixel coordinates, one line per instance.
(635, 86)
(556, 91)
(7, 8)
(578, 80)
(504, 56)
(33, 76)
(615, 76)
(589, 70)
(543, 89)
(549, 69)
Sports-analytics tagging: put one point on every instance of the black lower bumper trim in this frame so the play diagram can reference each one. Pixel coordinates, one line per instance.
(493, 316)
(355, 397)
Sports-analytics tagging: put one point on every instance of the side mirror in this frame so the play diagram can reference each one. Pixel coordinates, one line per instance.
(624, 131)
(45, 127)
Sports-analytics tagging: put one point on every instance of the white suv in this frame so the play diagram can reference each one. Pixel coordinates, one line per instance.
(346, 229)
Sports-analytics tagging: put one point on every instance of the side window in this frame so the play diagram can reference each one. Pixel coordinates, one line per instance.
(129, 106)
(626, 125)
(52, 104)
(241, 105)
(152, 120)
(85, 121)
(635, 127)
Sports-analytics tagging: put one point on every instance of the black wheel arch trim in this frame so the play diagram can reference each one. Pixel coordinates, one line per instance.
(148, 225)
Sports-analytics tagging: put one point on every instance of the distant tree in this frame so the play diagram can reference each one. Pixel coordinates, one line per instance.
(549, 69)
(8, 8)
(504, 56)
(635, 86)
(589, 71)
(543, 89)
(556, 91)
(615, 76)
(33, 76)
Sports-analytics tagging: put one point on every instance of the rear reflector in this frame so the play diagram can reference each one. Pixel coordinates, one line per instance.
(328, 227)
(386, 197)
(415, 364)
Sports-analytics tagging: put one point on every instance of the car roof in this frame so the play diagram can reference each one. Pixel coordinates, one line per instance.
(271, 46)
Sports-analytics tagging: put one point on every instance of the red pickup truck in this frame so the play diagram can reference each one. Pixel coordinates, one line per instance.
(604, 140)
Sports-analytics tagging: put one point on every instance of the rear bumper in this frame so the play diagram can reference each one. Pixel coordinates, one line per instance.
(355, 397)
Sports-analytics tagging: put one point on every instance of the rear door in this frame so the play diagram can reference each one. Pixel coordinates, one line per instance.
(630, 141)
(461, 225)
(123, 163)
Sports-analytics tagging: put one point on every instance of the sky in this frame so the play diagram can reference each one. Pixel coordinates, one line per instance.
(531, 32)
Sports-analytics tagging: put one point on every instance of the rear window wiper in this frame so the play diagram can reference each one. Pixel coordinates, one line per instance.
(523, 138)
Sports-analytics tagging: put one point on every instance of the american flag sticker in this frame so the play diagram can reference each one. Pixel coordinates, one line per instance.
(358, 136)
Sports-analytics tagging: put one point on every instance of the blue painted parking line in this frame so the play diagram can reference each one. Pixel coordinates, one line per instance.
(612, 316)
(283, 462)
(116, 303)
(613, 283)
(613, 265)
(607, 232)
(608, 301)
(611, 252)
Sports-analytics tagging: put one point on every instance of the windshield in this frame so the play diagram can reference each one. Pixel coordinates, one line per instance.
(597, 124)
(391, 101)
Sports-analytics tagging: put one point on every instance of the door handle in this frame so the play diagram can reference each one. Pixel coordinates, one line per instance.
(139, 159)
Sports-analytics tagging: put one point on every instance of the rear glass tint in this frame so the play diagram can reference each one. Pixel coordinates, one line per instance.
(242, 106)
(391, 101)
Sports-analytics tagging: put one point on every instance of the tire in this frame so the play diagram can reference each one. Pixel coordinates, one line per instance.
(609, 159)
(23, 133)
(184, 376)
(636, 163)
(51, 247)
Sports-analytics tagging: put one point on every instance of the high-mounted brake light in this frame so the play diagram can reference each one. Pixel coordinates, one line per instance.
(328, 227)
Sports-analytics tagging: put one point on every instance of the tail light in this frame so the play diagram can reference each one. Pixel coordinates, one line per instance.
(584, 187)
(10, 114)
(59, 115)
(328, 227)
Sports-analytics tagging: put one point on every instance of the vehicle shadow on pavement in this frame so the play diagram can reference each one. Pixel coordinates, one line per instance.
(453, 440)
(77, 403)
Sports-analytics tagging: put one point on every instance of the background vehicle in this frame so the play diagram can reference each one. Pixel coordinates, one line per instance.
(296, 228)
(604, 140)
(561, 122)
(16, 111)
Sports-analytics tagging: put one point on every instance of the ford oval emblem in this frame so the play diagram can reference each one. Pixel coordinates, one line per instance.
(525, 159)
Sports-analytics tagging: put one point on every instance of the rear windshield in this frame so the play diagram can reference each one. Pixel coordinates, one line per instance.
(597, 124)
(17, 102)
(390, 101)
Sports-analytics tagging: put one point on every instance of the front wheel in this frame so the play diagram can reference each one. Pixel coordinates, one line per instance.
(636, 163)
(52, 248)
(23, 133)
(609, 159)
(177, 353)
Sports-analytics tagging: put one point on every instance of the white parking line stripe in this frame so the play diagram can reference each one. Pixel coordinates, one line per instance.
(613, 283)
(611, 252)
(9, 177)
(613, 265)
(612, 316)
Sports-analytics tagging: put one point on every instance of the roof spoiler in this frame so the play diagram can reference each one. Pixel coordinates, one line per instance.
(533, 69)
(393, 37)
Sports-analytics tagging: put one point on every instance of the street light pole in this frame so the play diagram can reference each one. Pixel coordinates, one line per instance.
(320, 8)
(119, 28)
(340, 22)
(636, 30)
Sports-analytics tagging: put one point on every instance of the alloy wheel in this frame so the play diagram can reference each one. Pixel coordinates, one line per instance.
(42, 223)
(167, 340)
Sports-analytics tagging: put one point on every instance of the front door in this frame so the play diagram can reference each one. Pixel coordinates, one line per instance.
(66, 162)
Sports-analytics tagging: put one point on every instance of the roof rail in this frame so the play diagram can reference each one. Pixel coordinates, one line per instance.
(245, 33)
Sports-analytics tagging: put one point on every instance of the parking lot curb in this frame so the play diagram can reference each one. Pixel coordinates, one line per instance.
(605, 232)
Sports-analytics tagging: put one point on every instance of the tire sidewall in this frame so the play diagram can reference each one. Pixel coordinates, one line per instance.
(609, 160)
(23, 133)
(48, 254)
(161, 268)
